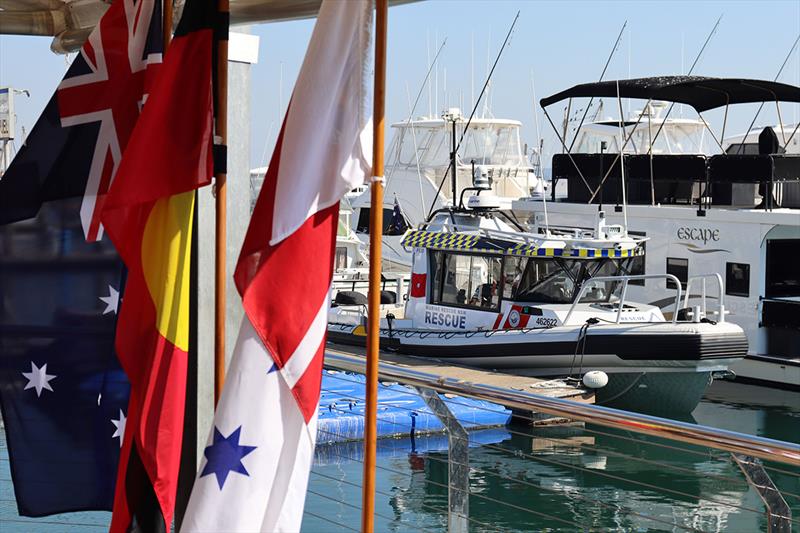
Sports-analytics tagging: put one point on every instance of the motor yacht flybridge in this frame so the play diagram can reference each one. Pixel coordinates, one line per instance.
(733, 210)
(486, 293)
(421, 175)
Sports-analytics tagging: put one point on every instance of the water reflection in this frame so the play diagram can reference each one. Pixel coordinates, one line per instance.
(575, 478)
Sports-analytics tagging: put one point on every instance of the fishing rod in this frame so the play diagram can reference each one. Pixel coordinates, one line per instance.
(419, 96)
(778, 75)
(410, 124)
(602, 75)
(451, 165)
(691, 69)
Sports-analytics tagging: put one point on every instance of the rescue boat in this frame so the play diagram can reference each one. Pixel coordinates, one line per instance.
(486, 293)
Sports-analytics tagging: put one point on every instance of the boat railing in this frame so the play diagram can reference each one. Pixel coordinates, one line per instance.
(588, 445)
(703, 311)
(625, 280)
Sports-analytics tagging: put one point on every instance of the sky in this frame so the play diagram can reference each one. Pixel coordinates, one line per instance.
(554, 46)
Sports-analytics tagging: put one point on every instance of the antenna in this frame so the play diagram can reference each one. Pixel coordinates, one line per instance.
(778, 75)
(472, 69)
(472, 114)
(622, 162)
(536, 115)
(430, 66)
(436, 79)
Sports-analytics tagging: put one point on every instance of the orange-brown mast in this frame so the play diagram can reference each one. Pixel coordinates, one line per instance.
(375, 238)
(220, 179)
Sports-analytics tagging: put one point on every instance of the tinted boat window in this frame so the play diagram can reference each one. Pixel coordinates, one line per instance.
(737, 279)
(679, 268)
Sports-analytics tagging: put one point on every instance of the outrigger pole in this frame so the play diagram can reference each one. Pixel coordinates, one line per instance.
(758, 111)
(602, 75)
(469, 120)
(691, 69)
(374, 294)
(220, 179)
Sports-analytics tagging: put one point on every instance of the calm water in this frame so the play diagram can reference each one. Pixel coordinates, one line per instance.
(553, 479)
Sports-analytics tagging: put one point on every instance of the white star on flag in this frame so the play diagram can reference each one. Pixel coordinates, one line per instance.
(120, 425)
(111, 301)
(38, 379)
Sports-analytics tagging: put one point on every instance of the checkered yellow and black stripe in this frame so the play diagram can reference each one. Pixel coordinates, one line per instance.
(436, 240)
(440, 240)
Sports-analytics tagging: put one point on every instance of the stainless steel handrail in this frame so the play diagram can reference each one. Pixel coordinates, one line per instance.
(625, 280)
(720, 439)
(720, 291)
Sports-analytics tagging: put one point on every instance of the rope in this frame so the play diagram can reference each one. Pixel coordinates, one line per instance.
(581, 345)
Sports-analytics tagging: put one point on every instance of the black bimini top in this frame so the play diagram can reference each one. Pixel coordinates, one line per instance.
(697, 91)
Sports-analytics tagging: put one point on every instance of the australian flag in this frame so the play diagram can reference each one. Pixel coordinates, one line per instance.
(63, 394)
(76, 145)
(397, 224)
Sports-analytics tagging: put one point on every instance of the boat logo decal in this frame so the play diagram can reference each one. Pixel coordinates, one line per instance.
(695, 249)
(513, 318)
(697, 234)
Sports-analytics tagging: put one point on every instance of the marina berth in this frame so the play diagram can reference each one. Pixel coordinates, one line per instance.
(487, 294)
(704, 201)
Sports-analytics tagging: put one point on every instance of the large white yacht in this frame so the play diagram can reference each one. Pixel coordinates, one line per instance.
(420, 177)
(701, 210)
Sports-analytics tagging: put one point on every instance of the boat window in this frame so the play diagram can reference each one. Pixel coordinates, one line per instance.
(604, 291)
(437, 149)
(737, 279)
(467, 280)
(513, 269)
(636, 265)
(340, 261)
(492, 145)
(679, 268)
(549, 280)
(782, 274)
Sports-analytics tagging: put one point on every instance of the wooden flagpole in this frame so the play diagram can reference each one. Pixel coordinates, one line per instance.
(220, 179)
(167, 29)
(375, 239)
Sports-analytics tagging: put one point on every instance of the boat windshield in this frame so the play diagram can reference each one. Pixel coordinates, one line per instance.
(675, 138)
(486, 144)
(557, 280)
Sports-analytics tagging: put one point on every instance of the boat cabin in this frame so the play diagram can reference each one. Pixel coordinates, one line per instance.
(490, 279)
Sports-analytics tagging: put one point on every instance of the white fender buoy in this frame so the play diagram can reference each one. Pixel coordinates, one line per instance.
(596, 379)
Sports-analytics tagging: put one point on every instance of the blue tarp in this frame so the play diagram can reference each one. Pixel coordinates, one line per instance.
(401, 411)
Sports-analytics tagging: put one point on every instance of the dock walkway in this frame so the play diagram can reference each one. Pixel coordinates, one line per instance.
(550, 388)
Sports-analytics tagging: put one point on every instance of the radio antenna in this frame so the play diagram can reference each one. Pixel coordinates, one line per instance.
(451, 165)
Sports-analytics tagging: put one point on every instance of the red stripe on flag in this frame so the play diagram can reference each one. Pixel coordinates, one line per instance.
(306, 391)
(283, 286)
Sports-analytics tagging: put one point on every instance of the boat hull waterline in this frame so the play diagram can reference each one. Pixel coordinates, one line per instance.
(654, 367)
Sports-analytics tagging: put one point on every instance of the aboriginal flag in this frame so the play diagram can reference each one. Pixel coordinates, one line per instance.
(148, 215)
